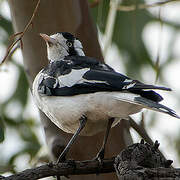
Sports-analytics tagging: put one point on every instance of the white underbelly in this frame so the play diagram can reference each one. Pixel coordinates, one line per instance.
(98, 107)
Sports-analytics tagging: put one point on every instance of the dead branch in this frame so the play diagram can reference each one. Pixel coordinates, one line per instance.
(20, 34)
(142, 132)
(143, 6)
(143, 161)
(137, 161)
(63, 169)
(151, 174)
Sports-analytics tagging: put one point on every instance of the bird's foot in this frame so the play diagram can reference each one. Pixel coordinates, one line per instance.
(70, 162)
(61, 158)
(100, 156)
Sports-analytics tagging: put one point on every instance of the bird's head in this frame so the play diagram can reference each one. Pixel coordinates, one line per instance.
(62, 44)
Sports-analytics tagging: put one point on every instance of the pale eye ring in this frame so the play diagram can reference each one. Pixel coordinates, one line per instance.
(69, 44)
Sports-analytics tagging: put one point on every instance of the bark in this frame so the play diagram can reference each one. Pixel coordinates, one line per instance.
(70, 16)
(144, 161)
(67, 168)
(140, 161)
(152, 174)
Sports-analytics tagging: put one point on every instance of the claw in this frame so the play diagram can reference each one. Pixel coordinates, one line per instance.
(100, 156)
(61, 158)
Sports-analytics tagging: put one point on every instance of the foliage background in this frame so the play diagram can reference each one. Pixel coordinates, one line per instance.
(145, 45)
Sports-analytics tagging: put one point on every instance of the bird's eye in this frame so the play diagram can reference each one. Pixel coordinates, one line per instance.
(69, 44)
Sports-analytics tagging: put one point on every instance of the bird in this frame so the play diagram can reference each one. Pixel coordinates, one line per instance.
(84, 96)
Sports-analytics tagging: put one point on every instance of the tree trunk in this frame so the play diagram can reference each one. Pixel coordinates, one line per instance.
(70, 16)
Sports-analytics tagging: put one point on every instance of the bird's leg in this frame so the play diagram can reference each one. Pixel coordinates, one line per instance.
(82, 121)
(101, 152)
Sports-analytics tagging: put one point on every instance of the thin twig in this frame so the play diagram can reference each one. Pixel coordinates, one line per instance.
(140, 130)
(21, 34)
(14, 35)
(143, 6)
(16, 46)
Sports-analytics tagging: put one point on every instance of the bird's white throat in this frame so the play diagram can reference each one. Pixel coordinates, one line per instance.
(55, 53)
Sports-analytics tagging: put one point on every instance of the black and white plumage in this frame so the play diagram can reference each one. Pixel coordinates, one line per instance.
(74, 85)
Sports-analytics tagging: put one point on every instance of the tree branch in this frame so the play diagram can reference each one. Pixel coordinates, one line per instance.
(143, 161)
(152, 174)
(20, 34)
(143, 6)
(137, 161)
(63, 169)
(142, 132)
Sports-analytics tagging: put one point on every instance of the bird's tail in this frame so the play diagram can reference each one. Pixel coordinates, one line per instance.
(155, 106)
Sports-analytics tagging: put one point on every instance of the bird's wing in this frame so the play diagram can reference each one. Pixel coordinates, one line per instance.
(75, 81)
(117, 81)
(67, 79)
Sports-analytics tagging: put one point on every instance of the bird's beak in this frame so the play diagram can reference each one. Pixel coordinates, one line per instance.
(48, 39)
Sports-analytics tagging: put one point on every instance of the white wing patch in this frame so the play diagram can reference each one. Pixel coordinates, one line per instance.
(75, 76)
(78, 47)
(128, 80)
(91, 81)
(129, 86)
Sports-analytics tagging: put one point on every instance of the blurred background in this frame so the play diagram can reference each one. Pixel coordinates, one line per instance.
(143, 43)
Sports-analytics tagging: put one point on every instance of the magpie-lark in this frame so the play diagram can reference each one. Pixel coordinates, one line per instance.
(84, 96)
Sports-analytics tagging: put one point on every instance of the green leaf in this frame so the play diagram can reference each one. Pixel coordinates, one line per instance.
(6, 25)
(22, 88)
